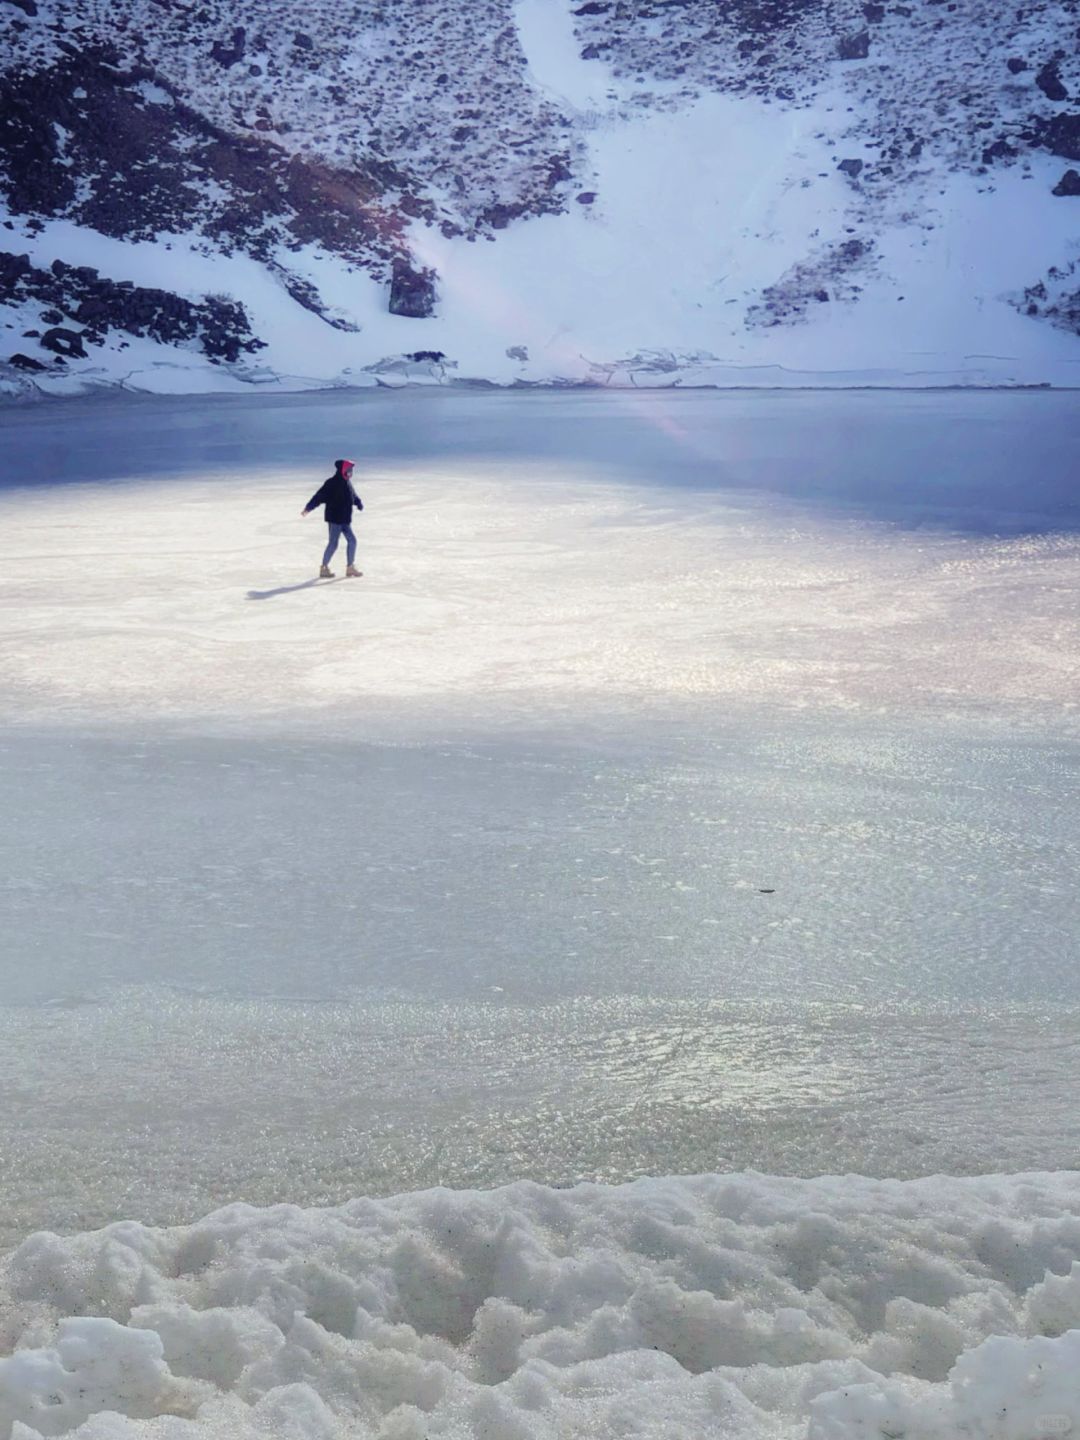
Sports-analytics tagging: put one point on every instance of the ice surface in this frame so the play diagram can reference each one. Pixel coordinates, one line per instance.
(536, 556)
(293, 870)
(466, 963)
(163, 1105)
(689, 785)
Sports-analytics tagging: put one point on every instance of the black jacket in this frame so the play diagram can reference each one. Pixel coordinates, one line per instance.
(339, 497)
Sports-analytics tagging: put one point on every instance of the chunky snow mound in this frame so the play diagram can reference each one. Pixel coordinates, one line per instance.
(738, 1305)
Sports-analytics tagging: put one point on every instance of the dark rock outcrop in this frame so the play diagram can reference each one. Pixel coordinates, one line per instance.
(855, 46)
(830, 276)
(999, 150)
(1055, 299)
(79, 294)
(1049, 81)
(230, 53)
(1061, 136)
(25, 362)
(61, 341)
(1069, 184)
(412, 291)
(854, 168)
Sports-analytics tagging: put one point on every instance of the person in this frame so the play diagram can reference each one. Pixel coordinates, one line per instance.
(338, 497)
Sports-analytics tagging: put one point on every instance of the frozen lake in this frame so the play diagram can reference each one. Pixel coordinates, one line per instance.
(690, 784)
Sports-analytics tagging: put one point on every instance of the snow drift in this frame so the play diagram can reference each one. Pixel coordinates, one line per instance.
(728, 1305)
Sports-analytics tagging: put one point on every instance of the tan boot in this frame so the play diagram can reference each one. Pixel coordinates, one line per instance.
(325, 573)
(352, 570)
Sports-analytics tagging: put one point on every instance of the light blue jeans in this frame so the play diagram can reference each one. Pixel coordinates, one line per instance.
(336, 532)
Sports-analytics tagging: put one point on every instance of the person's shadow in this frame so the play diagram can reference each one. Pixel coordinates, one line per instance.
(288, 589)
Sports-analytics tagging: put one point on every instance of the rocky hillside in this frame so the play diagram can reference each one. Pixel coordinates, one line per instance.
(206, 193)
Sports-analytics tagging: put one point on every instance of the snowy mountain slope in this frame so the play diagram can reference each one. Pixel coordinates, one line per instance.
(641, 191)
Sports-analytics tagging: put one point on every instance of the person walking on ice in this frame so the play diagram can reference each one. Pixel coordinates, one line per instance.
(339, 498)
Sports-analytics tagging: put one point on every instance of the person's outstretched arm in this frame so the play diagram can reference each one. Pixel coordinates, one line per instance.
(317, 499)
(356, 498)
